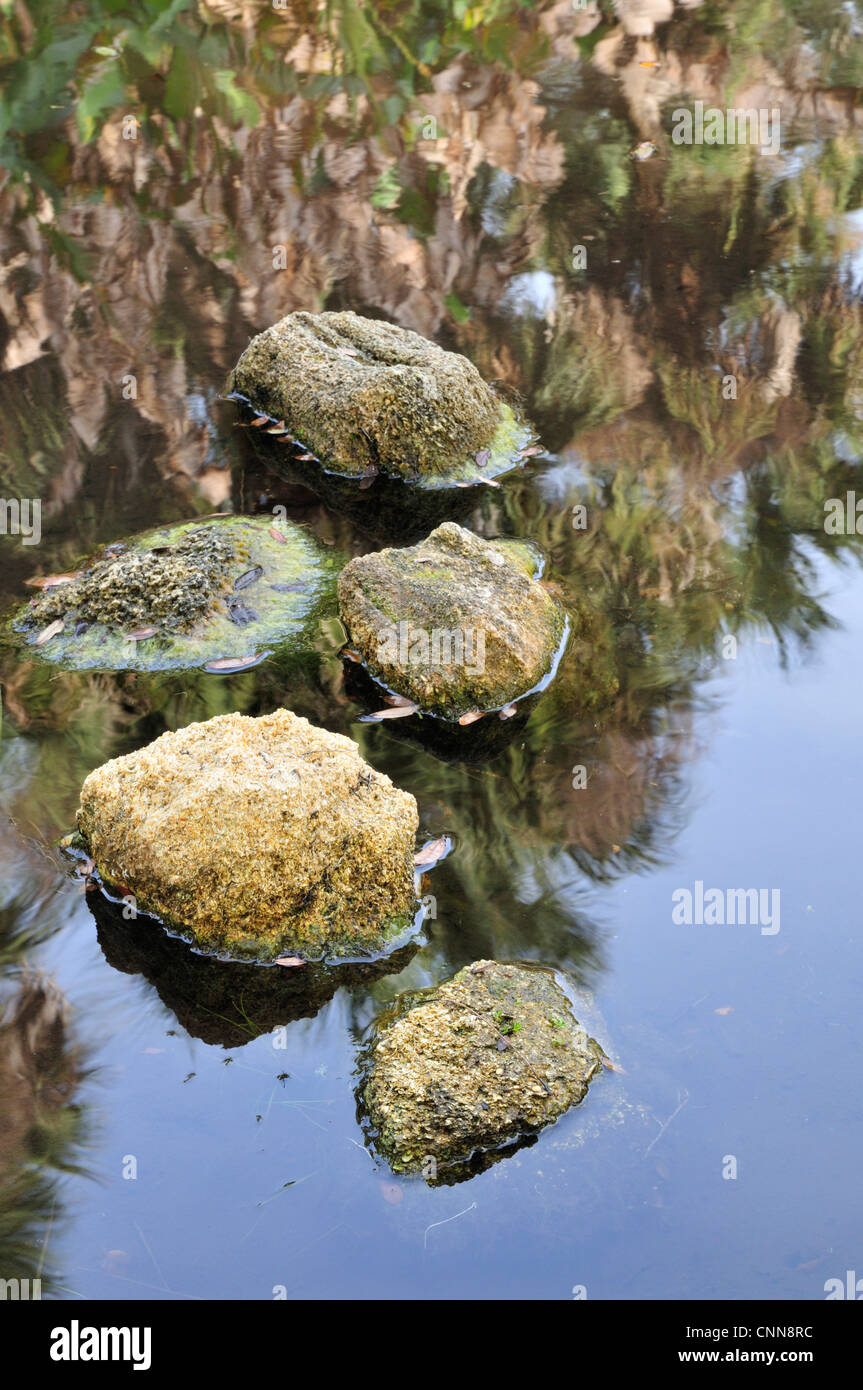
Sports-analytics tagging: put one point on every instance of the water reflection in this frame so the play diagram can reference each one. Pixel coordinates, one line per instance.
(684, 330)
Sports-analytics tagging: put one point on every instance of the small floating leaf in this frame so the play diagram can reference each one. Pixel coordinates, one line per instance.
(472, 716)
(530, 451)
(483, 457)
(140, 634)
(260, 420)
(48, 581)
(431, 853)
(351, 654)
(277, 535)
(276, 429)
(291, 962)
(508, 711)
(241, 615)
(394, 699)
(48, 632)
(395, 712)
(304, 458)
(248, 578)
(232, 663)
(490, 482)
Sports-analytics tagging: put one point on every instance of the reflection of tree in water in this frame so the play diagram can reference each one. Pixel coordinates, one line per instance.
(44, 1128)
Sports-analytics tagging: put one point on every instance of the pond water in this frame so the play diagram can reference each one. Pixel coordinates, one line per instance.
(683, 325)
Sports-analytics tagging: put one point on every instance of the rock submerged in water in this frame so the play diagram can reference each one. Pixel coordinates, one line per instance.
(456, 623)
(257, 837)
(484, 1059)
(183, 595)
(369, 397)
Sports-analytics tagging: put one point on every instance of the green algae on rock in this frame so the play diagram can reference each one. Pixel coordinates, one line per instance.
(257, 837)
(488, 1057)
(369, 397)
(456, 623)
(184, 595)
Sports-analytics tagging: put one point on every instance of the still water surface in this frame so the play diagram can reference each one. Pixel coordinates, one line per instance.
(739, 1050)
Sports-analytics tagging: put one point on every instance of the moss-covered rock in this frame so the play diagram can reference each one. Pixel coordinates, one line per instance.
(478, 1062)
(184, 595)
(456, 623)
(256, 838)
(368, 397)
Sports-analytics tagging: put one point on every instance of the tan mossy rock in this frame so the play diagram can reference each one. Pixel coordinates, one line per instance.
(489, 1056)
(367, 396)
(456, 623)
(257, 837)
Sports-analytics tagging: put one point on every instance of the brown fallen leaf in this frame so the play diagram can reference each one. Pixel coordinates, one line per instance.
(232, 663)
(490, 482)
(462, 484)
(48, 632)
(431, 853)
(483, 457)
(277, 535)
(276, 429)
(508, 711)
(530, 451)
(140, 634)
(391, 1192)
(393, 699)
(261, 420)
(351, 654)
(472, 716)
(305, 458)
(395, 711)
(293, 962)
(85, 866)
(729, 1009)
(49, 581)
(612, 1066)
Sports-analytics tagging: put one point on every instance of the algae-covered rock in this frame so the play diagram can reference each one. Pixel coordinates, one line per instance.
(369, 397)
(456, 623)
(183, 595)
(257, 838)
(478, 1062)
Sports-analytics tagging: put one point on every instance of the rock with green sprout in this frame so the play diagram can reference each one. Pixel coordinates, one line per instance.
(184, 595)
(490, 1056)
(368, 397)
(456, 623)
(257, 837)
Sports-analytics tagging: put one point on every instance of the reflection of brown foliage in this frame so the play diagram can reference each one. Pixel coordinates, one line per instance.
(39, 1070)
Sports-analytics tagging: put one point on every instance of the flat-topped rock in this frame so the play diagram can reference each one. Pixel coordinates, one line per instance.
(184, 595)
(257, 837)
(367, 397)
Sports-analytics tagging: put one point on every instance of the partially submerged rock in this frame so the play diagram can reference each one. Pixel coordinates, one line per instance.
(367, 397)
(456, 623)
(183, 595)
(478, 1062)
(225, 1002)
(257, 838)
